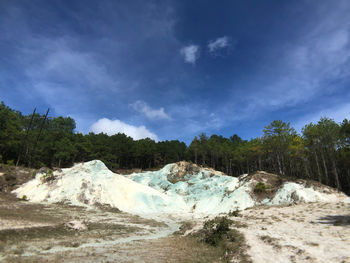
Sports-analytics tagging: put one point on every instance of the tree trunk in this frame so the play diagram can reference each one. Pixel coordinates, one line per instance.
(325, 168)
(283, 164)
(318, 168)
(348, 178)
(279, 165)
(259, 163)
(306, 168)
(336, 174)
(291, 168)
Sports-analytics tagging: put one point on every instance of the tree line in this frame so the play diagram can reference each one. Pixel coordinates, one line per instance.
(321, 152)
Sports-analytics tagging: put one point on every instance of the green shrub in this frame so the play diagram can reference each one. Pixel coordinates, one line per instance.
(214, 230)
(24, 198)
(260, 188)
(234, 213)
(49, 176)
(10, 162)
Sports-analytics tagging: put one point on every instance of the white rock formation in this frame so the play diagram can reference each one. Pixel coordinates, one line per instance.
(177, 188)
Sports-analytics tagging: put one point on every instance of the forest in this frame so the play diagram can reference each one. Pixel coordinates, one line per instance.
(321, 152)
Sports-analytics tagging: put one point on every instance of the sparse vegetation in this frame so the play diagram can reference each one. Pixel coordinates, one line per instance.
(10, 162)
(260, 187)
(185, 226)
(48, 176)
(217, 232)
(214, 230)
(234, 213)
(271, 241)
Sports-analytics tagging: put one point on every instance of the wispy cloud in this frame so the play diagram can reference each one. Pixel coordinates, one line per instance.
(58, 62)
(305, 69)
(79, 74)
(219, 43)
(190, 53)
(152, 114)
(338, 113)
(111, 127)
(69, 80)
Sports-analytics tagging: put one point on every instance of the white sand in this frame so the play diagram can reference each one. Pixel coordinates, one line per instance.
(298, 233)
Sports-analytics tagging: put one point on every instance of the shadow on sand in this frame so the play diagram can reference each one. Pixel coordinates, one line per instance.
(336, 220)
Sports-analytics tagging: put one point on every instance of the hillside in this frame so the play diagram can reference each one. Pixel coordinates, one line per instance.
(88, 213)
(177, 188)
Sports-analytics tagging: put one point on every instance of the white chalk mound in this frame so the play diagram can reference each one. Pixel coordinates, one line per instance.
(177, 188)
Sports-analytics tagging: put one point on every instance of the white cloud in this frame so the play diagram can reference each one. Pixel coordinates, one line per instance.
(218, 43)
(190, 53)
(111, 127)
(150, 113)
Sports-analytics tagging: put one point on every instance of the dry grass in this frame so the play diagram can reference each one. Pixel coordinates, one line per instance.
(271, 241)
(185, 226)
(32, 228)
(12, 176)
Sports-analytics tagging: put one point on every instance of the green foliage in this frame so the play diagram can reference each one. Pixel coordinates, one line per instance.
(217, 232)
(10, 162)
(48, 176)
(260, 188)
(214, 230)
(321, 152)
(234, 213)
(24, 198)
(10, 132)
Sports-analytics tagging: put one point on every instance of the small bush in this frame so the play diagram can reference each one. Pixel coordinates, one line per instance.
(49, 176)
(10, 162)
(234, 213)
(33, 174)
(260, 188)
(24, 198)
(231, 242)
(215, 229)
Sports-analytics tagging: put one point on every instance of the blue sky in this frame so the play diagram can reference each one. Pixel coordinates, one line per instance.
(174, 69)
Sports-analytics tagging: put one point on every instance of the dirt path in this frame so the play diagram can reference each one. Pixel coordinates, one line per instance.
(38, 233)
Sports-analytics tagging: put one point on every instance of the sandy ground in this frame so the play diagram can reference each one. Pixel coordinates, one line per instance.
(316, 232)
(38, 233)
